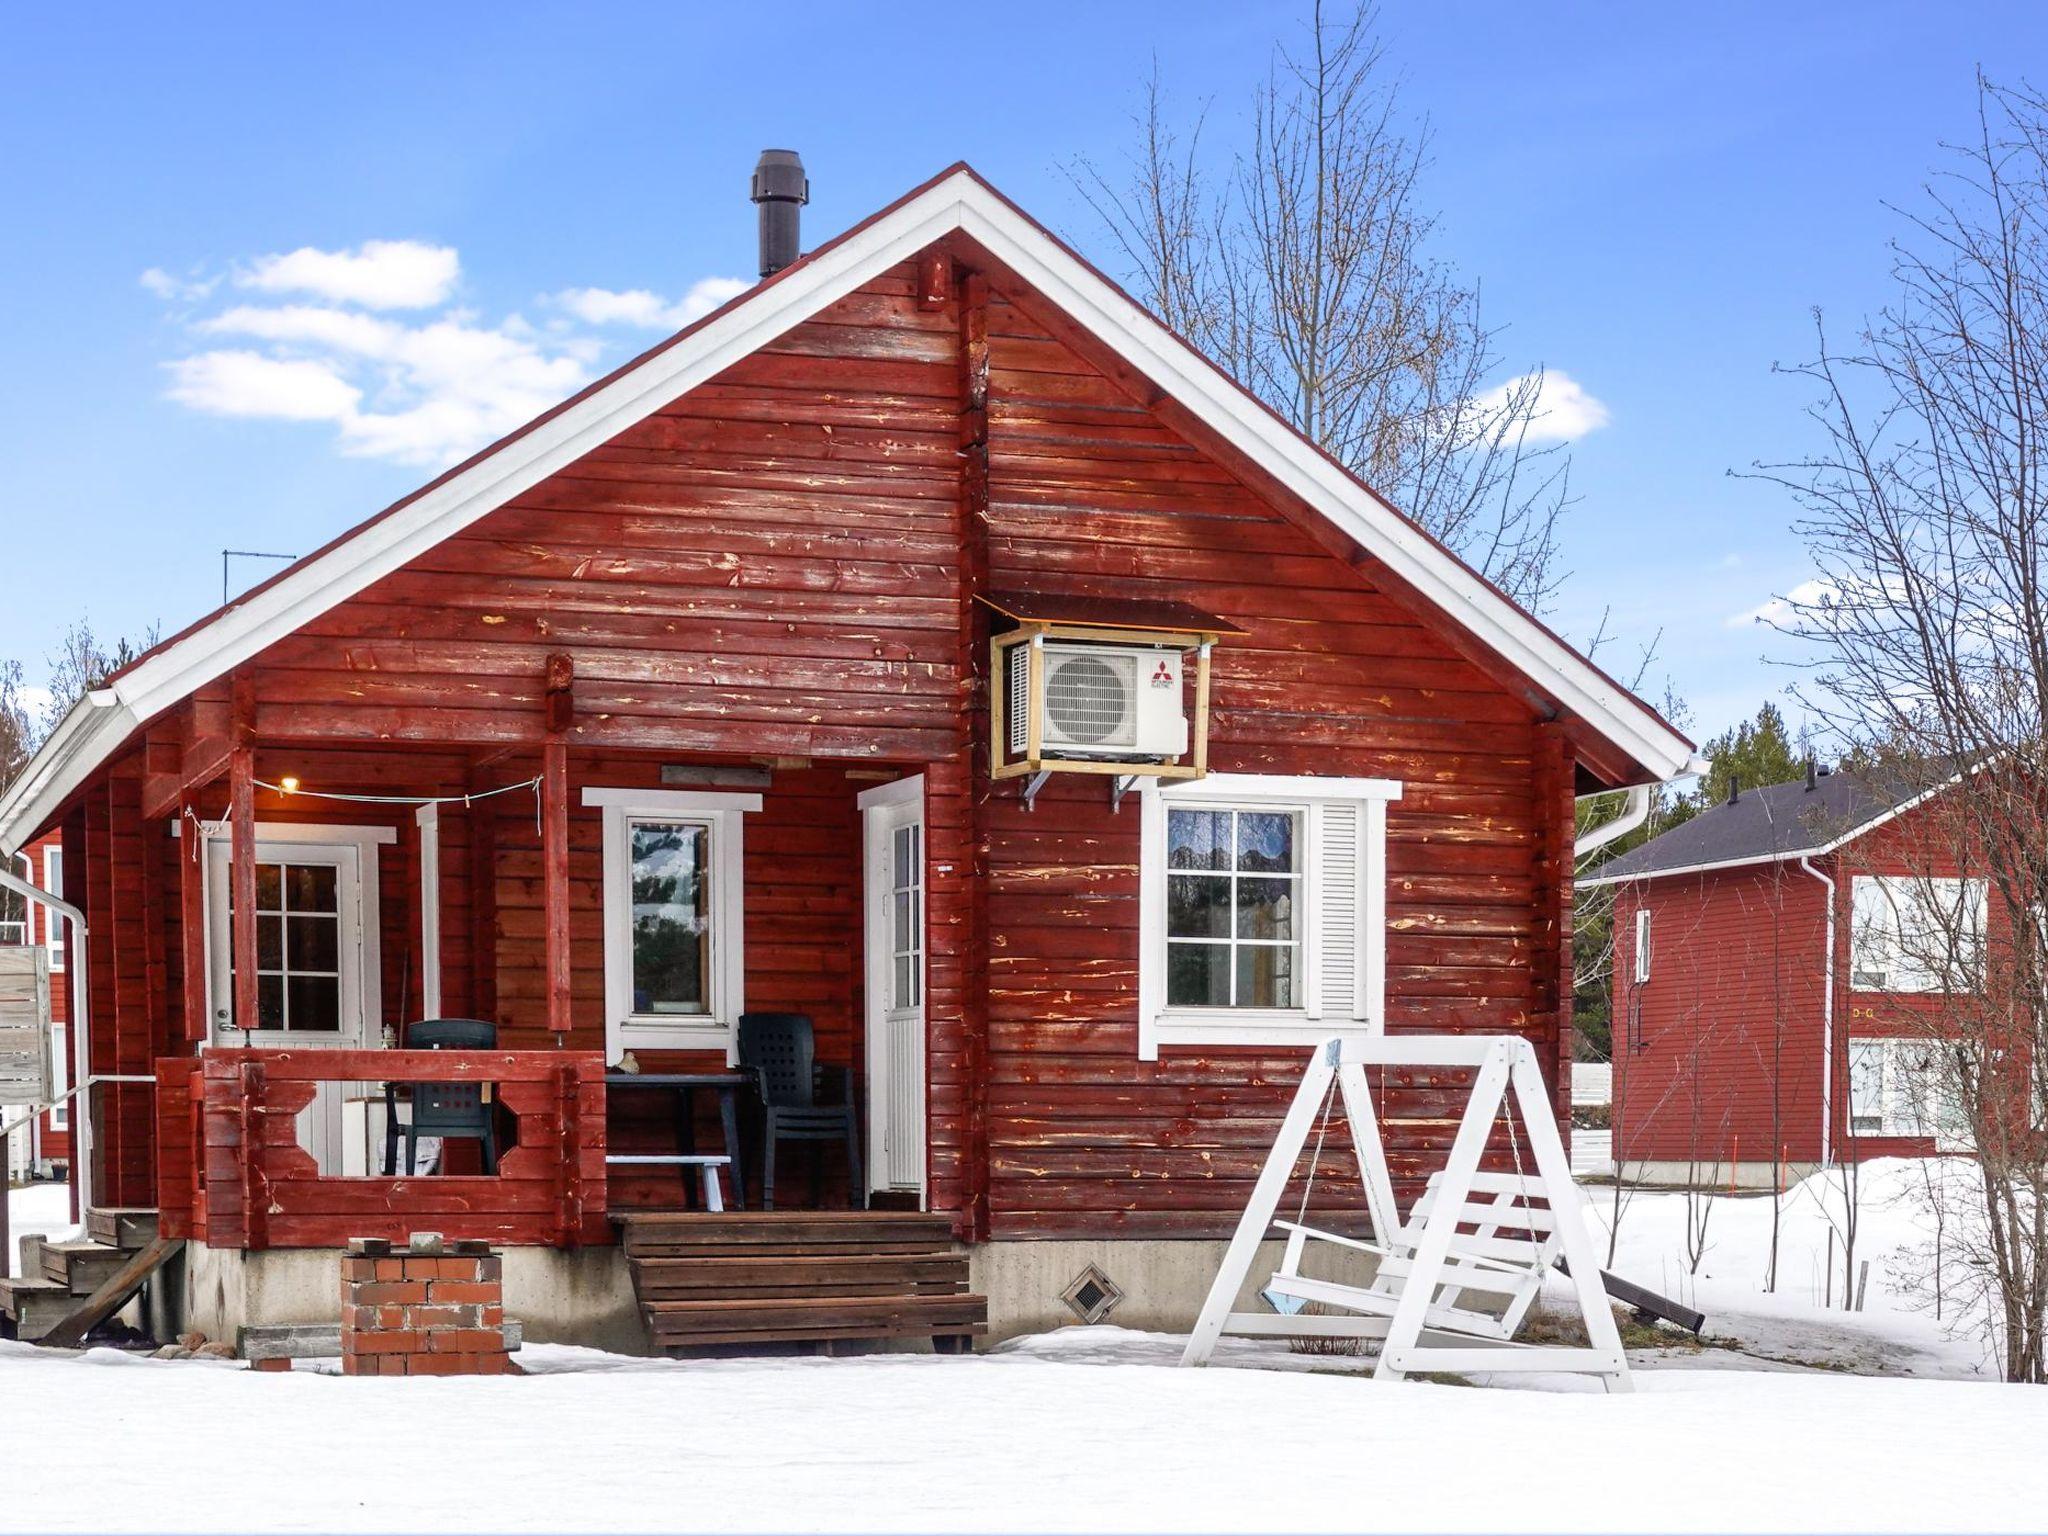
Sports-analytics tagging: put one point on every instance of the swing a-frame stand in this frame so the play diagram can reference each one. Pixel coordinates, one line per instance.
(1453, 1282)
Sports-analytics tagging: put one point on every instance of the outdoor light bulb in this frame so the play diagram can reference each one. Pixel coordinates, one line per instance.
(289, 784)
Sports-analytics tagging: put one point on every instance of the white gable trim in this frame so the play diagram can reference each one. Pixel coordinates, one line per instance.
(958, 201)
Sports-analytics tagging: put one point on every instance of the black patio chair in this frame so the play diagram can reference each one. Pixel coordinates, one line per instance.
(447, 1110)
(780, 1050)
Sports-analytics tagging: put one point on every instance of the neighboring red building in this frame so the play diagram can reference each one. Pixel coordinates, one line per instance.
(696, 672)
(1735, 1030)
(42, 863)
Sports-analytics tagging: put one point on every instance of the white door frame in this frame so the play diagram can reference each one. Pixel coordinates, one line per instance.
(326, 1123)
(896, 1037)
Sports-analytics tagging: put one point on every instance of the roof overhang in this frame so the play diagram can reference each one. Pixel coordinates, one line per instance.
(956, 201)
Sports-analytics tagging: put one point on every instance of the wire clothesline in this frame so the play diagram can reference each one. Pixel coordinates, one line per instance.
(291, 788)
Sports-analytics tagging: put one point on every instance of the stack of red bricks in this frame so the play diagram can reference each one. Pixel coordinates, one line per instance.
(427, 1308)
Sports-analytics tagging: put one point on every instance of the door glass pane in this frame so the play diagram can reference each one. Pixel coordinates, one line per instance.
(671, 917)
(298, 946)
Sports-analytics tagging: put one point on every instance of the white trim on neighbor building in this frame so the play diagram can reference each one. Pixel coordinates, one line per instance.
(956, 201)
(722, 815)
(53, 926)
(1340, 927)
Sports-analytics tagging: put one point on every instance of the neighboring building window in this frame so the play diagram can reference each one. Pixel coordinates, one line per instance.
(53, 921)
(60, 1079)
(16, 916)
(1262, 909)
(1909, 934)
(1905, 1088)
(1642, 945)
(674, 916)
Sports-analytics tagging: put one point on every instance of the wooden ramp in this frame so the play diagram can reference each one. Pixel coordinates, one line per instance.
(777, 1277)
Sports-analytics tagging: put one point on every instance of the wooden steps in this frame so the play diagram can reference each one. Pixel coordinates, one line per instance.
(57, 1279)
(777, 1277)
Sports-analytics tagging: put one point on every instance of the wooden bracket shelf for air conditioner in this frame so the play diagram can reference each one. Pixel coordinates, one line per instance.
(1041, 618)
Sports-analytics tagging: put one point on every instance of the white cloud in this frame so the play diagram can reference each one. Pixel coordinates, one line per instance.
(1563, 410)
(1787, 611)
(188, 290)
(378, 274)
(424, 389)
(251, 384)
(646, 310)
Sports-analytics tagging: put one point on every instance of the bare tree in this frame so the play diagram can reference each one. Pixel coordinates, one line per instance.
(1307, 268)
(1926, 510)
(17, 730)
(81, 663)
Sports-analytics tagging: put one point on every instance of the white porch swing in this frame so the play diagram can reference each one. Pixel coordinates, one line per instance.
(1491, 1236)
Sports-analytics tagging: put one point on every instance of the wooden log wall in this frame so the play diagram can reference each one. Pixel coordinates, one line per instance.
(779, 566)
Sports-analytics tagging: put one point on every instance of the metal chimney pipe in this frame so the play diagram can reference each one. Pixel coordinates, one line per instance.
(780, 191)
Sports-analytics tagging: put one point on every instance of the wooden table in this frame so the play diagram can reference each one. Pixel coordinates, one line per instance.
(685, 1086)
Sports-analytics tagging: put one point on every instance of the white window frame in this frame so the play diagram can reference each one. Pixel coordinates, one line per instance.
(1642, 952)
(53, 922)
(724, 815)
(27, 925)
(60, 1076)
(1903, 974)
(1307, 795)
(364, 987)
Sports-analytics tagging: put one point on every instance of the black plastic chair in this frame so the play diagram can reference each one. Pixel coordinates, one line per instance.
(446, 1110)
(780, 1049)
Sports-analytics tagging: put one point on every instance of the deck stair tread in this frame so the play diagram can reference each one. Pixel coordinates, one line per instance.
(776, 1277)
(81, 1265)
(128, 1227)
(34, 1305)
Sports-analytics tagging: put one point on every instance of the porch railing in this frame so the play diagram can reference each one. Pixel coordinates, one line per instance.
(232, 1174)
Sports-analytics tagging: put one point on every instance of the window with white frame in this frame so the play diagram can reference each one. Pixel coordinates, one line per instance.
(16, 916)
(1262, 909)
(60, 1080)
(1909, 934)
(53, 921)
(1642, 957)
(1905, 1088)
(674, 917)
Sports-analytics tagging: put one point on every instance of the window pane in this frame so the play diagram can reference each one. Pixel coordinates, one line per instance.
(1265, 841)
(1198, 906)
(1198, 975)
(309, 887)
(671, 918)
(1198, 839)
(313, 942)
(269, 942)
(1265, 976)
(1866, 1084)
(315, 1003)
(1265, 909)
(906, 981)
(270, 1002)
(269, 886)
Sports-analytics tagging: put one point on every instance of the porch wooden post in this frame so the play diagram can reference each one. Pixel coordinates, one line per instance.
(554, 880)
(242, 878)
(979, 686)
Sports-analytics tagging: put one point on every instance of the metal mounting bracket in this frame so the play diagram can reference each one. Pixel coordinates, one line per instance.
(1120, 786)
(1033, 785)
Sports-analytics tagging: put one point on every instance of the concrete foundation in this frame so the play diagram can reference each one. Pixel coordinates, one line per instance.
(1164, 1280)
(565, 1296)
(585, 1296)
(1752, 1178)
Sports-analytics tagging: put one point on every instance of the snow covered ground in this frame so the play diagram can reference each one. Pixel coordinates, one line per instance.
(1090, 1428)
(44, 1209)
(1086, 1429)
(1804, 1318)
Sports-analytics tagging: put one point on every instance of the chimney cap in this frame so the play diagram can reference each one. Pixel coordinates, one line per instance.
(779, 177)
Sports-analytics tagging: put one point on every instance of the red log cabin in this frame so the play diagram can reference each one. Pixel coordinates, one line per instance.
(47, 1137)
(1768, 989)
(927, 643)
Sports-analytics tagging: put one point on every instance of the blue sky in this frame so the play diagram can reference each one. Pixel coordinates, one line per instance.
(1653, 197)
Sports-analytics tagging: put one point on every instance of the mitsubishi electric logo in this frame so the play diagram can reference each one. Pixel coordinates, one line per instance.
(1163, 675)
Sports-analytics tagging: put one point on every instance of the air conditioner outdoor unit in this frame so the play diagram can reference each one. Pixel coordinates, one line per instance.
(1106, 701)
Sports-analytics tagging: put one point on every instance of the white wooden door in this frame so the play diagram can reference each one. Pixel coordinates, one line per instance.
(894, 842)
(315, 976)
